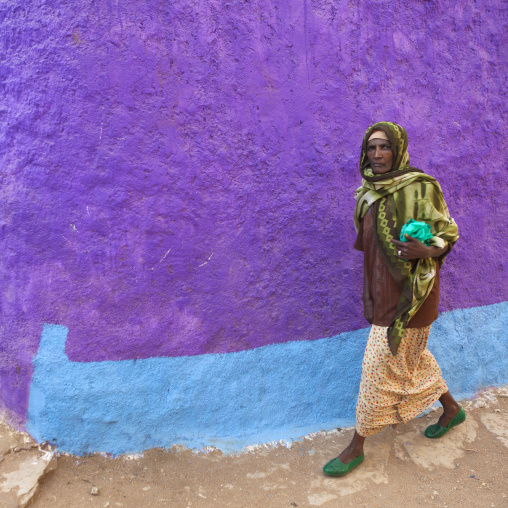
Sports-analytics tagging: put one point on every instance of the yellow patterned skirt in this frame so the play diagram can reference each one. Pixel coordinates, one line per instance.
(395, 389)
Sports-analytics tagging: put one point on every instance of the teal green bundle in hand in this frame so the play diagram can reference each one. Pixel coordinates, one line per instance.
(418, 230)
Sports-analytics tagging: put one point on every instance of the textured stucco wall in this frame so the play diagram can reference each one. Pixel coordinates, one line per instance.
(177, 177)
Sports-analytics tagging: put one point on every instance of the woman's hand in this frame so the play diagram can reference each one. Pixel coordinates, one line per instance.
(414, 249)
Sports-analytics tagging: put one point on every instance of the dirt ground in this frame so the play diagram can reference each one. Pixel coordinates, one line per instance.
(466, 468)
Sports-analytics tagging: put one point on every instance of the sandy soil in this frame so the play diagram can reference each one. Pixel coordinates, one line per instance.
(466, 468)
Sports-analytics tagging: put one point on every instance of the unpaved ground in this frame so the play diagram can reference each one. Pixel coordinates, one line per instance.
(466, 468)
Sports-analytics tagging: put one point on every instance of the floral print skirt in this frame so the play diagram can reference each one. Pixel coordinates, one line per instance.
(395, 389)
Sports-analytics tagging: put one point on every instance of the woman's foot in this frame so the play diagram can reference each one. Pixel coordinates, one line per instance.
(436, 430)
(336, 468)
(449, 413)
(452, 416)
(351, 457)
(450, 409)
(351, 452)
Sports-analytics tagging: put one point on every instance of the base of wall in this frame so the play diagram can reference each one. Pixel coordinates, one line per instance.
(233, 400)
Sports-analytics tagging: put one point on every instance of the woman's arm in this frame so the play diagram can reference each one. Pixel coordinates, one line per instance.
(414, 249)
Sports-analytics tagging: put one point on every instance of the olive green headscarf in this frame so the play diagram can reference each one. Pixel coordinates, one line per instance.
(395, 197)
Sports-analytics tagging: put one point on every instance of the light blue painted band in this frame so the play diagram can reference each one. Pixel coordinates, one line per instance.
(232, 400)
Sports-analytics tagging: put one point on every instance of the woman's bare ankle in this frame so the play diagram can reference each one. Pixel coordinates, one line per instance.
(450, 409)
(449, 413)
(353, 450)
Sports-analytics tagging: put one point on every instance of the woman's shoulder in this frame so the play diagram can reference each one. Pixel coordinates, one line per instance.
(425, 191)
(425, 182)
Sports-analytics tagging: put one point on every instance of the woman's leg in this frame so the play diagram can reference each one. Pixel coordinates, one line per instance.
(450, 409)
(353, 450)
(373, 410)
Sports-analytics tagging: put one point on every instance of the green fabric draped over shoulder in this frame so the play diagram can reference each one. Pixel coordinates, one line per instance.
(402, 194)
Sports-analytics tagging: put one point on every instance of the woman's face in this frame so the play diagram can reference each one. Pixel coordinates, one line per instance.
(379, 153)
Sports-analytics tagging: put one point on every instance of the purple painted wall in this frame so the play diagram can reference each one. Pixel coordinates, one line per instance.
(177, 177)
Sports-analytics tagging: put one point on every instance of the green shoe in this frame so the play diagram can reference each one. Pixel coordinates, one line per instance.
(336, 468)
(436, 430)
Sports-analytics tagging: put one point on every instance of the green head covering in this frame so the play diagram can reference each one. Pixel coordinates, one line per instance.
(397, 136)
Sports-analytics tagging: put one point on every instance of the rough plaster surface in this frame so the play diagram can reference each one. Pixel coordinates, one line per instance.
(373, 470)
(414, 446)
(20, 475)
(231, 400)
(177, 177)
(498, 425)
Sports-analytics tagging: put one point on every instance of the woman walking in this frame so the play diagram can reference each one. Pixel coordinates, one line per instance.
(400, 377)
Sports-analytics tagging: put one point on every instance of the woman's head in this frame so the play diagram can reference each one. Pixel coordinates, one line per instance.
(384, 150)
(379, 153)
